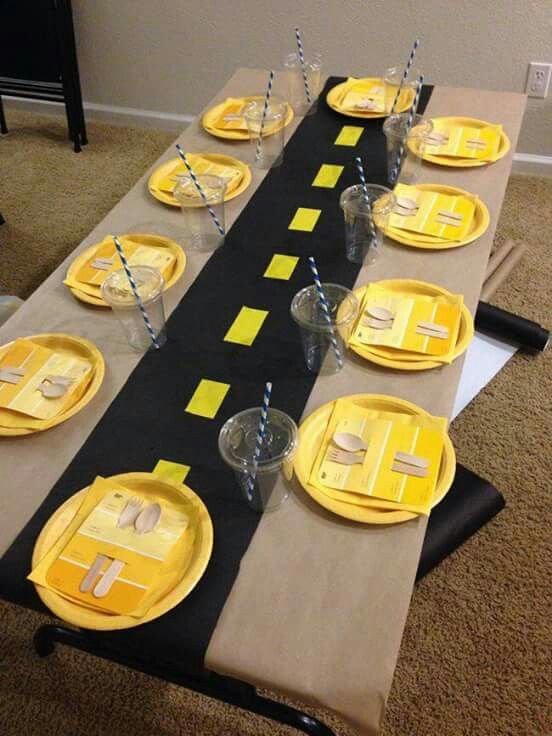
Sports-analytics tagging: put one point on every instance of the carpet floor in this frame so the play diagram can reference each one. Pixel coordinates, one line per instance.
(475, 654)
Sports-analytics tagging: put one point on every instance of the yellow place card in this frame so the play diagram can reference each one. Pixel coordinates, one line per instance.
(304, 219)
(168, 470)
(207, 398)
(328, 176)
(375, 476)
(281, 267)
(38, 365)
(246, 326)
(437, 215)
(349, 135)
(461, 141)
(409, 310)
(136, 254)
(202, 166)
(82, 562)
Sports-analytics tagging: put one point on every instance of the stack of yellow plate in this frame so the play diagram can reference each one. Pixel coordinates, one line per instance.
(163, 180)
(448, 127)
(410, 361)
(91, 293)
(143, 485)
(479, 223)
(13, 423)
(371, 88)
(214, 122)
(311, 436)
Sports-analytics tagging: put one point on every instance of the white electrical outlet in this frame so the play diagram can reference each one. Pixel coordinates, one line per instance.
(538, 79)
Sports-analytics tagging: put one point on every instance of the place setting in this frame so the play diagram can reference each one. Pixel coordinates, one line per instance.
(91, 268)
(45, 380)
(122, 552)
(375, 459)
(370, 98)
(465, 142)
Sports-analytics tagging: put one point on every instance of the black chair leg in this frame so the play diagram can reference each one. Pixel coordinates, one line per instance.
(3, 125)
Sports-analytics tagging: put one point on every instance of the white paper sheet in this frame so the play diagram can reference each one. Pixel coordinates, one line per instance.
(485, 357)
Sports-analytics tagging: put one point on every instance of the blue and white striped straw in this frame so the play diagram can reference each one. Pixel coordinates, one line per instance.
(326, 309)
(409, 121)
(303, 65)
(199, 189)
(405, 73)
(366, 196)
(263, 117)
(134, 288)
(259, 439)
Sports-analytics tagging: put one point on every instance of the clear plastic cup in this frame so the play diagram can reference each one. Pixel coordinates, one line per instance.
(297, 95)
(364, 225)
(116, 292)
(392, 79)
(236, 443)
(316, 334)
(404, 153)
(267, 147)
(201, 230)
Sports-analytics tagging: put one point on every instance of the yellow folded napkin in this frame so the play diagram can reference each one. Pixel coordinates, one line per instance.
(459, 137)
(374, 482)
(362, 95)
(232, 106)
(430, 218)
(137, 254)
(409, 310)
(23, 404)
(153, 562)
(201, 166)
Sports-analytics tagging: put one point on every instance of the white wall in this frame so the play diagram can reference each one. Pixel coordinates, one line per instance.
(173, 55)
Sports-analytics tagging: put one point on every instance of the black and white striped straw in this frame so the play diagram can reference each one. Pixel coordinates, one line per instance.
(134, 288)
(199, 189)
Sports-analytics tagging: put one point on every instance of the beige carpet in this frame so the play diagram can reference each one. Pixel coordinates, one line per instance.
(475, 656)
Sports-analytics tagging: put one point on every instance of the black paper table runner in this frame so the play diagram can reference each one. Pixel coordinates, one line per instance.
(147, 420)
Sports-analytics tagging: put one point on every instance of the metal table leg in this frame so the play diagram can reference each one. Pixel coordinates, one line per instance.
(210, 684)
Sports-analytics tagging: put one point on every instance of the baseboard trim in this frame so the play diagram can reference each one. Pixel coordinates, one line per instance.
(113, 114)
(532, 164)
(524, 163)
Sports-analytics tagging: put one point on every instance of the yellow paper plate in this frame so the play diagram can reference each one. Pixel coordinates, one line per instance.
(218, 158)
(77, 347)
(503, 148)
(311, 434)
(478, 226)
(142, 483)
(154, 241)
(390, 358)
(407, 97)
(212, 115)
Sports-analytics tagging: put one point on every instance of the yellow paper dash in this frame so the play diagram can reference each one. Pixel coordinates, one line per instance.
(207, 398)
(328, 176)
(348, 135)
(281, 267)
(168, 470)
(245, 328)
(304, 219)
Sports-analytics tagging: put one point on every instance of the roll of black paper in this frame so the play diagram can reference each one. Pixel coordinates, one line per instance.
(502, 324)
(469, 505)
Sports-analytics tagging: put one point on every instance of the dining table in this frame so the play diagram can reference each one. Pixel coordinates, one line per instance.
(299, 601)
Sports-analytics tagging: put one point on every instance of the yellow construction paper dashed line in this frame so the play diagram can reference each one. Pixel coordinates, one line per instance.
(281, 267)
(245, 328)
(328, 176)
(168, 470)
(348, 135)
(207, 398)
(305, 219)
